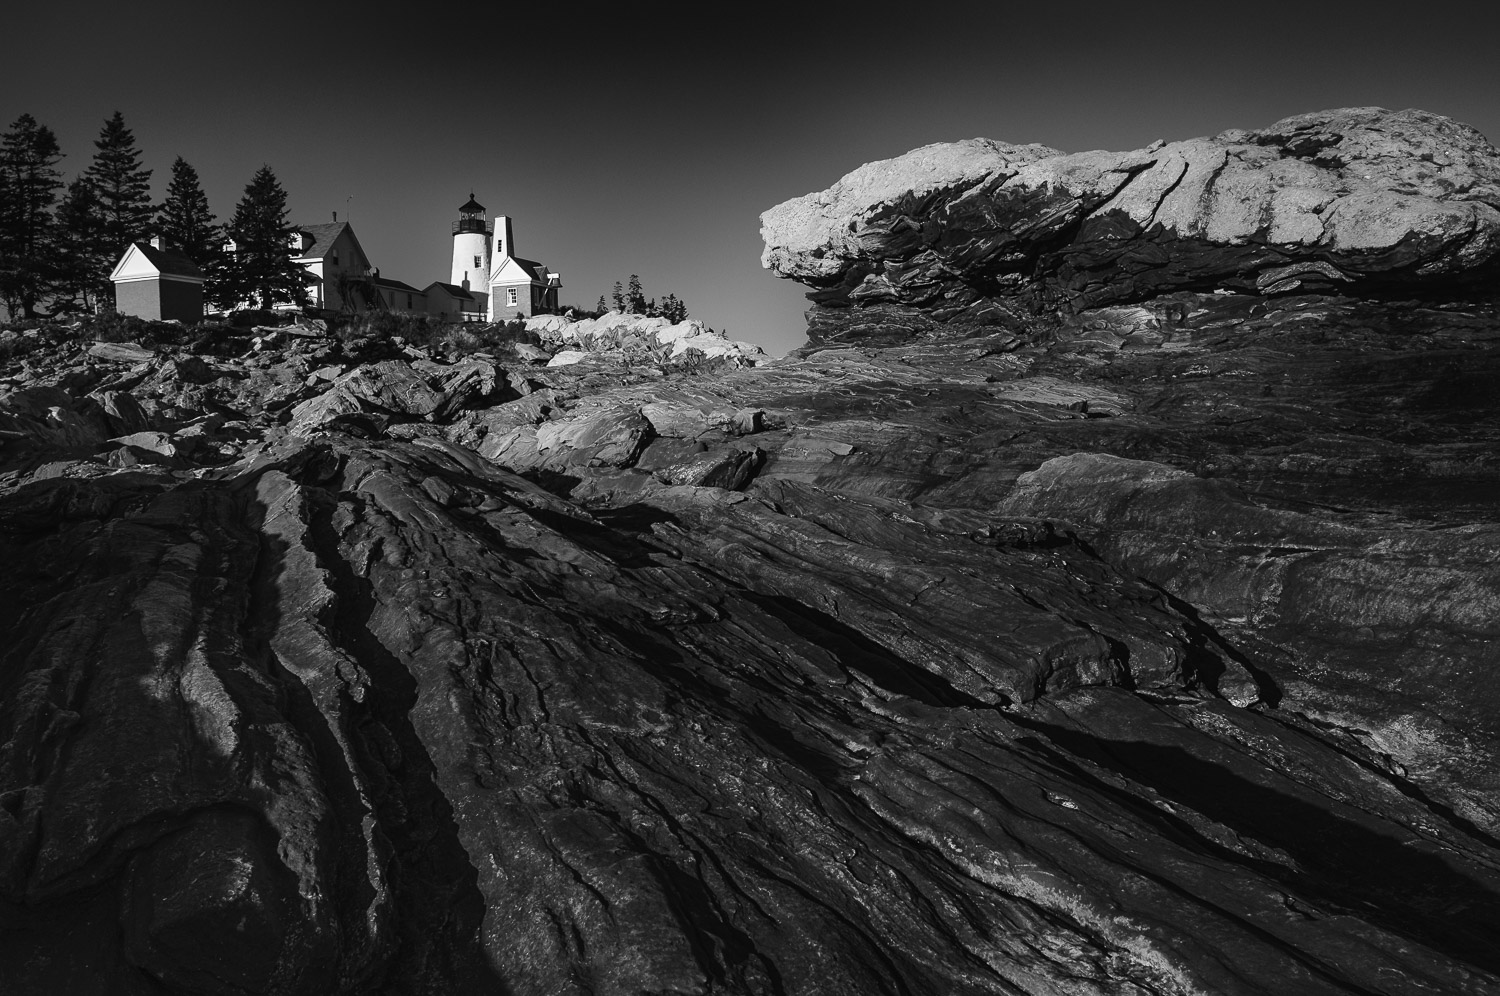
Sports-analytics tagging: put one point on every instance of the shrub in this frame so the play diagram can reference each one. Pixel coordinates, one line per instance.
(415, 329)
(111, 326)
(215, 339)
(13, 345)
(440, 338)
(477, 337)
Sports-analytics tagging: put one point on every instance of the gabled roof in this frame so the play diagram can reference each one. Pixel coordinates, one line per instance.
(168, 262)
(533, 270)
(323, 236)
(393, 284)
(452, 290)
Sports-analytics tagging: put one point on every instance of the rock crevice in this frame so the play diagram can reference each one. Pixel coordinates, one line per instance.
(994, 642)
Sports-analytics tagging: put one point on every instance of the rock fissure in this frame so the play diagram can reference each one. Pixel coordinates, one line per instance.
(1101, 602)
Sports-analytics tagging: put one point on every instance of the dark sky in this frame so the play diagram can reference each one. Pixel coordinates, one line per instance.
(649, 143)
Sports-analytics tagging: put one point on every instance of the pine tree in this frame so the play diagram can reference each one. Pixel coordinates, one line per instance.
(619, 297)
(635, 298)
(123, 186)
(187, 224)
(601, 307)
(184, 218)
(84, 283)
(673, 310)
(29, 182)
(260, 268)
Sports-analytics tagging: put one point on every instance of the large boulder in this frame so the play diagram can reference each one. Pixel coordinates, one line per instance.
(393, 386)
(50, 418)
(390, 388)
(1358, 198)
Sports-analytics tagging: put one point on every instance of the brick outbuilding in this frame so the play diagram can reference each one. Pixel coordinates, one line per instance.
(159, 283)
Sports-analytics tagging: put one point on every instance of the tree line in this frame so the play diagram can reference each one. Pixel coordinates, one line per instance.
(631, 299)
(59, 242)
(57, 251)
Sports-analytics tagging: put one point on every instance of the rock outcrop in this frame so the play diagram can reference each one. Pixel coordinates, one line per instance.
(1139, 649)
(618, 331)
(1356, 200)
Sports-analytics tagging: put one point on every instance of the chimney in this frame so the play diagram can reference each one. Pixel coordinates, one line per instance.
(335, 217)
(158, 242)
(504, 240)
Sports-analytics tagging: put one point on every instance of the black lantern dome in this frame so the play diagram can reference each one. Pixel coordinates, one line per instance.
(471, 218)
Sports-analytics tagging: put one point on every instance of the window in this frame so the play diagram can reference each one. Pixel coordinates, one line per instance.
(499, 246)
(511, 295)
(408, 302)
(335, 257)
(478, 262)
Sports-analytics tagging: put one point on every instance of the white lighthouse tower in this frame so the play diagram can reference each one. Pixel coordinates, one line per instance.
(471, 249)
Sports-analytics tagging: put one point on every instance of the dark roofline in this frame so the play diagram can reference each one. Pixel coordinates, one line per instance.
(324, 235)
(394, 284)
(453, 290)
(170, 262)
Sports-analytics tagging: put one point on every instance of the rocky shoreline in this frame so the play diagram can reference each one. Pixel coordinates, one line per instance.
(1051, 623)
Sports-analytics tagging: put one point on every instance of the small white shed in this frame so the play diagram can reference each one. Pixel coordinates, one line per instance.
(159, 283)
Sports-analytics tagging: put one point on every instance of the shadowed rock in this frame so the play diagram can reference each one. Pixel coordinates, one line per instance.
(1141, 649)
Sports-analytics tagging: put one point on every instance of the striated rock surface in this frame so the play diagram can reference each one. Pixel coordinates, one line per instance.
(1358, 199)
(1144, 649)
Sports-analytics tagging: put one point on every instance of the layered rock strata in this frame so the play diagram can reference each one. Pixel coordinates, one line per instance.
(1143, 649)
(1354, 200)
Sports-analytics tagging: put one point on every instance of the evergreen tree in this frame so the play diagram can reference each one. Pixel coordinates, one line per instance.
(29, 182)
(635, 298)
(122, 185)
(601, 307)
(260, 269)
(619, 297)
(184, 218)
(187, 224)
(673, 310)
(84, 283)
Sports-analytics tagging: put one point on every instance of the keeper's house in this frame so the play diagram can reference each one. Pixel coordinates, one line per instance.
(159, 283)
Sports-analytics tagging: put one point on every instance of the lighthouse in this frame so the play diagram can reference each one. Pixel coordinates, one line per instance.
(471, 249)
